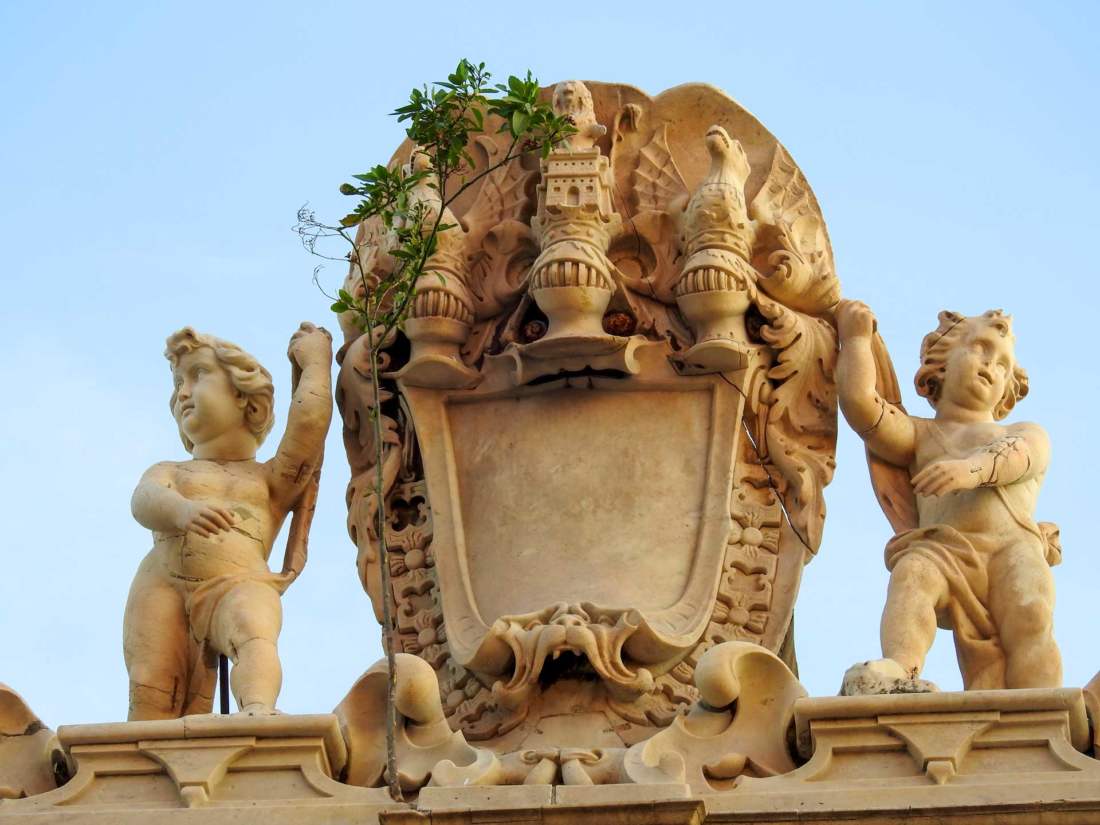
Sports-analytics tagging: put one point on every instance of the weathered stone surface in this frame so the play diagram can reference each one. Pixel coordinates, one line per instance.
(205, 589)
(31, 761)
(960, 490)
(601, 426)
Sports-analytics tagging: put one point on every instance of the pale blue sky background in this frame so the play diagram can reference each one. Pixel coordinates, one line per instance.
(153, 155)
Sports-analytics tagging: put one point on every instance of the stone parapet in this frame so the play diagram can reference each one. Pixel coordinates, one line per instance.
(980, 757)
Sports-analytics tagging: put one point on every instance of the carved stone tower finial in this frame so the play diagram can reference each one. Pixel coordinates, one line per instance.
(575, 221)
(718, 283)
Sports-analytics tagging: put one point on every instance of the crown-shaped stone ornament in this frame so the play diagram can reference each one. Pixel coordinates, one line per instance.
(717, 283)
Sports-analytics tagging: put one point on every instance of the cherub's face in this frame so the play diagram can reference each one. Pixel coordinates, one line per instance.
(207, 404)
(978, 368)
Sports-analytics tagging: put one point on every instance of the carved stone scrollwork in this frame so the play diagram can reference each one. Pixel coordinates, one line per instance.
(739, 727)
(427, 748)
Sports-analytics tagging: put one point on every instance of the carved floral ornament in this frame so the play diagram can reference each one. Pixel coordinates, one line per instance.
(608, 425)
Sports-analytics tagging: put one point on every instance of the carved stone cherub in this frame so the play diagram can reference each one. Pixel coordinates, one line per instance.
(205, 587)
(973, 559)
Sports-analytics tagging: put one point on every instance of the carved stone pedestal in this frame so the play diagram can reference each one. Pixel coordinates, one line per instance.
(976, 757)
(208, 769)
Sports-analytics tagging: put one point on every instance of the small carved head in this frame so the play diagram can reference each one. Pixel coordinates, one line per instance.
(571, 97)
(972, 360)
(217, 386)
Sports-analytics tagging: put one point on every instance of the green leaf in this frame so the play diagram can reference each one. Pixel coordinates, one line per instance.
(519, 123)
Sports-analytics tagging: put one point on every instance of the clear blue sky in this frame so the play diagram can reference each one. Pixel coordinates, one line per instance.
(153, 155)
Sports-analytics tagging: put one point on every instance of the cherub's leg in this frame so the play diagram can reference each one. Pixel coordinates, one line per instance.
(248, 622)
(1021, 599)
(917, 588)
(155, 646)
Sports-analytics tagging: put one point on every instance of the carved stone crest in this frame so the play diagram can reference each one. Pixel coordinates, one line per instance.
(615, 458)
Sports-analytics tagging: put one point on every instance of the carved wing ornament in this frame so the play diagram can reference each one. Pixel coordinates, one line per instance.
(662, 309)
(793, 255)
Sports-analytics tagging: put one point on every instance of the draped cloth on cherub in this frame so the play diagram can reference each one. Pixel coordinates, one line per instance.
(202, 605)
(963, 560)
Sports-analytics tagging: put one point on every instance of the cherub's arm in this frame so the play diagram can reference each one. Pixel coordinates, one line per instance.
(1022, 453)
(157, 505)
(888, 432)
(301, 449)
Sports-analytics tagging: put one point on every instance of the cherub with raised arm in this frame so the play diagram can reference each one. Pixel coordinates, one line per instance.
(968, 554)
(205, 588)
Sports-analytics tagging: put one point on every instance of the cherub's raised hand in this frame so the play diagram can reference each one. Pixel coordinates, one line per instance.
(854, 319)
(310, 345)
(205, 519)
(947, 476)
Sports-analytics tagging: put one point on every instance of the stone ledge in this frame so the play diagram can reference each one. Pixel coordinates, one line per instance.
(214, 766)
(966, 757)
(981, 758)
(1070, 701)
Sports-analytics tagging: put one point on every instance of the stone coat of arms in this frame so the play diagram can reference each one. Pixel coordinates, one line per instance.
(609, 420)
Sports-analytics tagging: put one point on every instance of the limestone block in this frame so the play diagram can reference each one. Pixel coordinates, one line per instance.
(220, 764)
(960, 755)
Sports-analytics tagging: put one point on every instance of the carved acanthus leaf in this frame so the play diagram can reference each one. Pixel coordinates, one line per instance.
(502, 197)
(801, 415)
(498, 266)
(792, 251)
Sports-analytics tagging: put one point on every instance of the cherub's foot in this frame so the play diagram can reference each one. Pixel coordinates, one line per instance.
(258, 709)
(880, 676)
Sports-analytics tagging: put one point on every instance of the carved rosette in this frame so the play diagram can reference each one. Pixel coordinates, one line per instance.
(583, 510)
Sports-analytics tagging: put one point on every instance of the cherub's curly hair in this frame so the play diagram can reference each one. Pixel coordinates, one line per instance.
(245, 373)
(951, 331)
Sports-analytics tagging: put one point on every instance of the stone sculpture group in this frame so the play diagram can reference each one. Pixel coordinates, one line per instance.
(655, 298)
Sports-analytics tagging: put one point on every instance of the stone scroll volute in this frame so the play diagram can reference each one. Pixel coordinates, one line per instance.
(625, 465)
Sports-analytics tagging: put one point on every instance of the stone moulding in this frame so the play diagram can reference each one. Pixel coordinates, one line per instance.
(1015, 755)
(979, 758)
(219, 764)
(951, 735)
